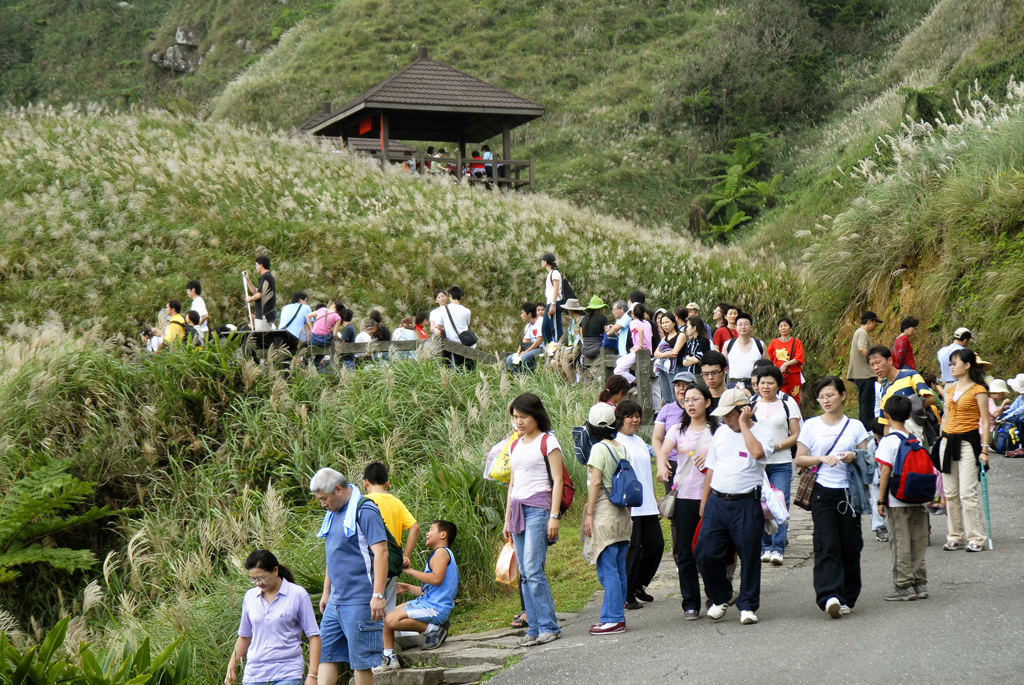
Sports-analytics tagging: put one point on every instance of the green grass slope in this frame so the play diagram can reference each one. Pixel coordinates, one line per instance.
(107, 216)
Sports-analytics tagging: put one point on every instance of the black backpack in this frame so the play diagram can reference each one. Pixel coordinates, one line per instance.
(567, 292)
(396, 556)
(732, 341)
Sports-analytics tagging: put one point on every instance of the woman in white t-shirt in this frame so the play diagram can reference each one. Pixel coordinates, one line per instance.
(690, 438)
(647, 544)
(552, 324)
(826, 443)
(782, 416)
(532, 512)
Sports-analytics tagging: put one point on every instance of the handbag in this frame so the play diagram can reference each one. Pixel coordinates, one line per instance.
(809, 476)
(667, 504)
(506, 570)
(466, 337)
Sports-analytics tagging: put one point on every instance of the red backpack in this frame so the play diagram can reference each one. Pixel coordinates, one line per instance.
(913, 478)
(568, 489)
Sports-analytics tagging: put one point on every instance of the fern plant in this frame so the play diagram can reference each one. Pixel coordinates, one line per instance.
(46, 665)
(30, 515)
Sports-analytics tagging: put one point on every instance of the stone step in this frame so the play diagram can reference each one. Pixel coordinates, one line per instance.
(408, 676)
(468, 674)
(475, 656)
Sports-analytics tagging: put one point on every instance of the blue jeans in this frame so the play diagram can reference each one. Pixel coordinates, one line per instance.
(527, 362)
(611, 571)
(531, 553)
(781, 476)
(551, 327)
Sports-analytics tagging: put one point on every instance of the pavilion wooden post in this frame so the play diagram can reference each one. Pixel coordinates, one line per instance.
(458, 162)
(506, 147)
(531, 172)
(384, 138)
(643, 384)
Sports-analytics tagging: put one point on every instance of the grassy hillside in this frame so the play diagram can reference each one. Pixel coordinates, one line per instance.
(108, 215)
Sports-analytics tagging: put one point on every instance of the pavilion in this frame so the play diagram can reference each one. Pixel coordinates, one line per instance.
(429, 101)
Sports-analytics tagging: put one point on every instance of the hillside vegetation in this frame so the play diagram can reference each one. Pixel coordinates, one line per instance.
(108, 215)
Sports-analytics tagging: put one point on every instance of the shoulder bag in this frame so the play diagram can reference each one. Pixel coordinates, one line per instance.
(809, 476)
(466, 337)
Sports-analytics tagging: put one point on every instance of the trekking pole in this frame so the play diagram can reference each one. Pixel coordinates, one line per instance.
(984, 495)
(245, 296)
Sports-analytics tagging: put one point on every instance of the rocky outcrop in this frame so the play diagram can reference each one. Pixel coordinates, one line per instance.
(182, 57)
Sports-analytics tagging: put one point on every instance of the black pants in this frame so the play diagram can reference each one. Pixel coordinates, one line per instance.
(837, 545)
(738, 523)
(646, 546)
(686, 518)
(866, 399)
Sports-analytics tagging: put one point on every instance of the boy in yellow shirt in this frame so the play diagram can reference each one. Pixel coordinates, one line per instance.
(397, 518)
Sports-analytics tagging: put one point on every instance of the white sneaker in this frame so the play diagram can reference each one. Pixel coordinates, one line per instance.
(833, 607)
(748, 618)
(766, 557)
(845, 610)
(776, 559)
(717, 611)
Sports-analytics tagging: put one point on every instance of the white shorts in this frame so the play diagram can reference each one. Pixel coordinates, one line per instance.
(421, 613)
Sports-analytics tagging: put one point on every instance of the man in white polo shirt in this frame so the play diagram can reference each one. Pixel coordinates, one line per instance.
(731, 506)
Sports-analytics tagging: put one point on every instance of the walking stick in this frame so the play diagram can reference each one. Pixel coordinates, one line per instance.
(984, 495)
(245, 296)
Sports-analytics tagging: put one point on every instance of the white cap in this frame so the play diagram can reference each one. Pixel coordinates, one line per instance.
(961, 333)
(602, 415)
(731, 399)
(1017, 383)
(998, 385)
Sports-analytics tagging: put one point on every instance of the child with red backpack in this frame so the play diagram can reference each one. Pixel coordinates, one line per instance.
(907, 482)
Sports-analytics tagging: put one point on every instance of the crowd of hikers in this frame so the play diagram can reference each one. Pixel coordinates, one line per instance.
(729, 445)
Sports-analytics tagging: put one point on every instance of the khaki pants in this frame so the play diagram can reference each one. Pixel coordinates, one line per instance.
(961, 488)
(908, 540)
(263, 325)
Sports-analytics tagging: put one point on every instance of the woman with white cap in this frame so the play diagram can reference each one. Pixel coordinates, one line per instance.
(606, 527)
(1015, 412)
(570, 344)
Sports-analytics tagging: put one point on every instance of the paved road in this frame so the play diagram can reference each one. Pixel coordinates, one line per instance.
(971, 628)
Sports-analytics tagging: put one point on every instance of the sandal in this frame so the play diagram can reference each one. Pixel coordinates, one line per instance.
(519, 621)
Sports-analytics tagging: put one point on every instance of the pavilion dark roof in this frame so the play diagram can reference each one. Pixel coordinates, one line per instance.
(428, 100)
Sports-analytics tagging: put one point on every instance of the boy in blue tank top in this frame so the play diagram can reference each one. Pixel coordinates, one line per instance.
(429, 612)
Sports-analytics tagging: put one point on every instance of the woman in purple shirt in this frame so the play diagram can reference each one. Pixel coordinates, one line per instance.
(275, 613)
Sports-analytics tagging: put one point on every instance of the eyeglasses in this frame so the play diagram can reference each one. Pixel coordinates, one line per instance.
(823, 398)
(693, 400)
(711, 374)
(259, 581)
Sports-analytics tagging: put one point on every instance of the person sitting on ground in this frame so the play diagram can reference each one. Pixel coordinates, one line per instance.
(293, 317)
(175, 324)
(607, 528)
(383, 332)
(348, 335)
(646, 543)
(1015, 412)
(787, 353)
(742, 351)
(727, 331)
(272, 649)
(907, 523)
(435, 599)
(422, 326)
(616, 389)
(827, 443)
(405, 333)
(530, 345)
(194, 290)
(397, 519)
(782, 416)
(997, 402)
(902, 349)
(567, 353)
(593, 327)
(713, 370)
(640, 334)
(731, 506)
(192, 333)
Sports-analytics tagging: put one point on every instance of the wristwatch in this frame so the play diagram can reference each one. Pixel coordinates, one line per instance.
(378, 595)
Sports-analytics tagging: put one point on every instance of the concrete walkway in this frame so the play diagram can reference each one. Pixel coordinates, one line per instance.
(970, 629)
